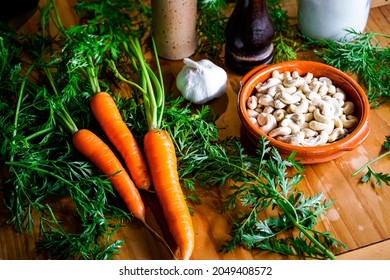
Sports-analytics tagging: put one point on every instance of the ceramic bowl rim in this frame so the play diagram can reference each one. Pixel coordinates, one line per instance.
(350, 142)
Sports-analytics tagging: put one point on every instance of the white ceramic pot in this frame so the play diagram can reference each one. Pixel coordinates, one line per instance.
(329, 19)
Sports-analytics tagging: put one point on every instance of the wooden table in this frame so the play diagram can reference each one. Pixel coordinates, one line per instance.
(360, 216)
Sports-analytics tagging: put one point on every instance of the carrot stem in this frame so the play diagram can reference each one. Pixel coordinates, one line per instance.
(19, 102)
(119, 76)
(149, 94)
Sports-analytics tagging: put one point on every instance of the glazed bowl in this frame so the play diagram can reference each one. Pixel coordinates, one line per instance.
(312, 154)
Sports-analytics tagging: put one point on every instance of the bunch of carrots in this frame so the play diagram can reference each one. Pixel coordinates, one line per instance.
(158, 169)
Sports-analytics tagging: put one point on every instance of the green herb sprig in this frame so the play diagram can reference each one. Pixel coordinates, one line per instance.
(211, 24)
(260, 182)
(380, 177)
(361, 54)
(267, 185)
(287, 39)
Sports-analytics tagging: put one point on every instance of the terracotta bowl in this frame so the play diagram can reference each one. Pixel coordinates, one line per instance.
(308, 155)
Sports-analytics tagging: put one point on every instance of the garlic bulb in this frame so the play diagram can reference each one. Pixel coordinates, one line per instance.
(201, 81)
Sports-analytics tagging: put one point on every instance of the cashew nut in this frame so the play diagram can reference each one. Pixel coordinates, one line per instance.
(308, 133)
(265, 99)
(340, 94)
(337, 134)
(326, 80)
(348, 108)
(330, 127)
(323, 90)
(348, 121)
(309, 117)
(318, 126)
(293, 139)
(300, 120)
(335, 107)
(295, 75)
(299, 108)
(252, 102)
(331, 89)
(338, 123)
(277, 75)
(289, 90)
(286, 75)
(279, 104)
(293, 82)
(315, 86)
(321, 117)
(254, 121)
(280, 131)
(287, 98)
(263, 87)
(272, 91)
(305, 88)
(316, 141)
(279, 114)
(267, 122)
(268, 110)
(252, 113)
(309, 76)
(312, 95)
(291, 124)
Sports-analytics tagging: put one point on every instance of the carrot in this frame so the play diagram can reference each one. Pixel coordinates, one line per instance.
(100, 154)
(161, 157)
(94, 149)
(108, 116)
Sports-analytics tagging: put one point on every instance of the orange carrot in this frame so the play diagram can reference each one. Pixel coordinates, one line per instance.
(107, 114)
(100, 154)
(94, 149)
(160, 153)
(161, 158)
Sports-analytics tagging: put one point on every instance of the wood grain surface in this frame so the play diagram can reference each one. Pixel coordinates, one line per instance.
(360, 216)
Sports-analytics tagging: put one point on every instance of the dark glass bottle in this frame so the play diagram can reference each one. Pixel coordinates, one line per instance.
(249, 35)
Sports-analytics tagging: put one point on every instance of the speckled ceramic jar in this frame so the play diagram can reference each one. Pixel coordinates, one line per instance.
(174, 27)
(329, 19)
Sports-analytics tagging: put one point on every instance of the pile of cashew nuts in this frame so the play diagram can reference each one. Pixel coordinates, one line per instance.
(304, 111)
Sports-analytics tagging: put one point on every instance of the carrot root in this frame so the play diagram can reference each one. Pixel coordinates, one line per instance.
(161, 158)
(108, 116)
(94, 149)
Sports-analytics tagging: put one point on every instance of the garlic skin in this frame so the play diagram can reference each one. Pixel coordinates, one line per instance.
(202, 81)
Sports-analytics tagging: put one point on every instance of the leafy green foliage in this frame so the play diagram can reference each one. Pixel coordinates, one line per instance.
(211, 24)
(287, 40)
(259, 183)
(265, 185)
(43, 166)
(132, 16)
(363, 56)
(379, 177)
